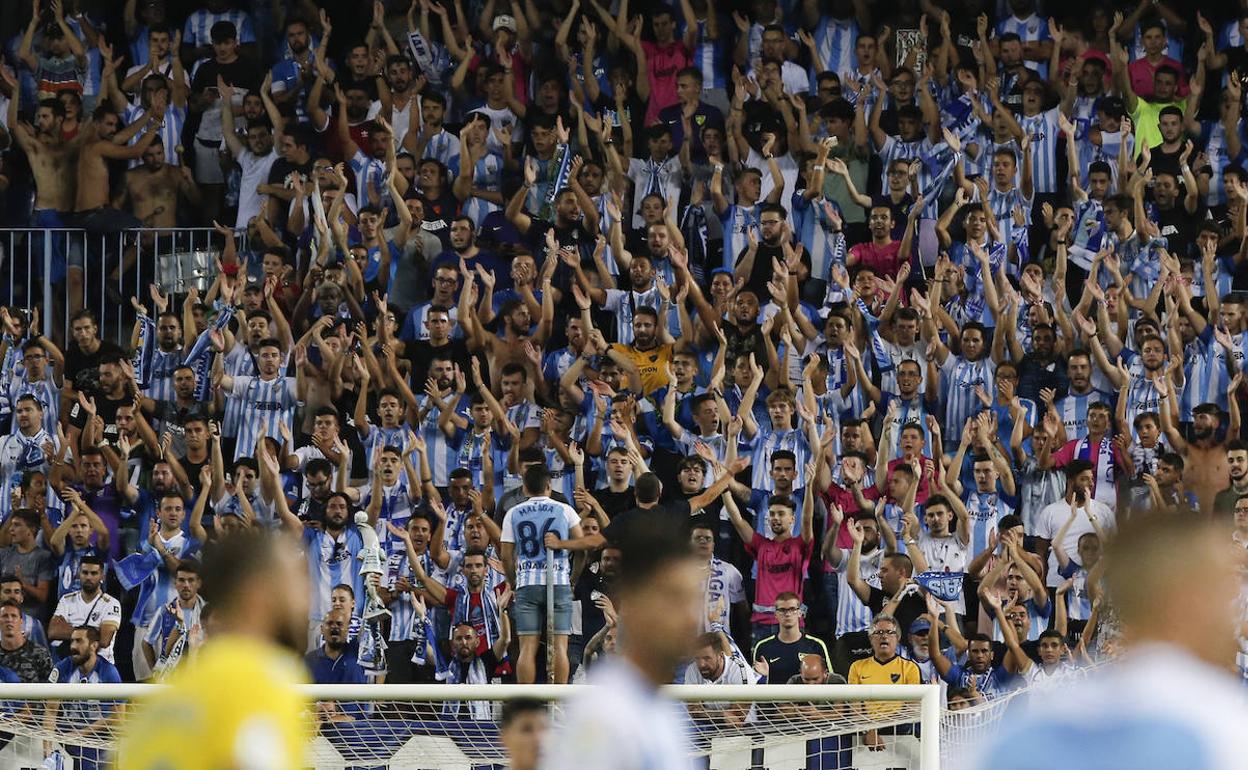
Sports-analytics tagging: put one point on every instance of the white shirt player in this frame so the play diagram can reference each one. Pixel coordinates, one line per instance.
(526, 525)
(623, 724)
(1159, 707)
(101, 611)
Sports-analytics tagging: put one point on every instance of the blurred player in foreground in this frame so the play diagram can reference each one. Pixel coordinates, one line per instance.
(523, 728)
(624, 723)
(1172, 700)
(235, 704)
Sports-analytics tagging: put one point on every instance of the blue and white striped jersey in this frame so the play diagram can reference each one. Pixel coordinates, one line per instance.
(198, 28)
(1030, 29)
(985, 511)
(711, 56)
(835, 40)
(526, 526)
(239, 362)
(1073, 409)
(443, 455)
(851, 614)
(766, 443)
(332, 560)
(267, 404)
(958, 378)
(736, 221)
(444, 148)
(622, 305)
(1206, 375)
(1044, 132)
(487, 174)
(895, 149)
(45, 390)
(160, 388)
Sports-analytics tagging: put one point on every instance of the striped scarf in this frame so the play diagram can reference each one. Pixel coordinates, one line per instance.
(489, 612)
(144, 351)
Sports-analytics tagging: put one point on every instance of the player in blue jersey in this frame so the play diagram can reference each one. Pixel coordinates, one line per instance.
(84, 665)
(529, 530)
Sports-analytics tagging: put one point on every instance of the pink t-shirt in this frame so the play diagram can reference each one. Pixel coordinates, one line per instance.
(1141, 74)
(781, 566)
(662, 64)
(885, 260)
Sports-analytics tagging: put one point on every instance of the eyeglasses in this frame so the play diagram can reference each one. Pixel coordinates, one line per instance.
(788, 610)
(704, 539)
(883, 632)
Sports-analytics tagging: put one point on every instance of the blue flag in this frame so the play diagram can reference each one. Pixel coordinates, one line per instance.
(199, 357)
(946, 586)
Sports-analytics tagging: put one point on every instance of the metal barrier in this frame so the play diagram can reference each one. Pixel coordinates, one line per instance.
(60, 270)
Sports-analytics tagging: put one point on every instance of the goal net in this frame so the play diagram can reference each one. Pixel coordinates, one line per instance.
(453, 727)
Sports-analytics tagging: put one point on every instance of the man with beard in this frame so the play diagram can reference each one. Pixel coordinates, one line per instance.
(23, 450)
(961, 375)
(1237, 469)
(114, 391)
(1143, 389)
(49, 156)
(83, 665)
(465, 251)
(411, 568)
(466, 665)
(168, 352)
(1073, 408)
(176, 630)
(269, 398)
(440, 394)
(334, 662)
(418, 325)
(88, 606)
(518, 341)
(432, 140)
(171, 415)
(717, 661)
(255, 160)
(651, 357)
(1204, 452)
(643, 291)
(1097, 448)
(243, 681)
(978, 672)
(472, 600)
(332, 550)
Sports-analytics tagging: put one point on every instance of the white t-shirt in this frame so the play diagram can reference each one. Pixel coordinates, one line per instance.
(1158, 708)
(101, 611)
(525, 526)
(1051, 518)
(255, 173)
(622, 724)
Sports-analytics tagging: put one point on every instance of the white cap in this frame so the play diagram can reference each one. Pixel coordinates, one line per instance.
(505, 21)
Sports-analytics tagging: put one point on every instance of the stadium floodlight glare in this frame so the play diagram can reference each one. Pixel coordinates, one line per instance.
(441, 726)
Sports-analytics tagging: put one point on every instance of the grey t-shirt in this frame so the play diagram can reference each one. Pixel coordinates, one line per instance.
(35, 566)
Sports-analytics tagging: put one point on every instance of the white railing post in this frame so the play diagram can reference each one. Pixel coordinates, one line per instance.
(46, 315)
(929, 721)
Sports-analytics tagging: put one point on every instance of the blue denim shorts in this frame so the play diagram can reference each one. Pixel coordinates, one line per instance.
(527, 611)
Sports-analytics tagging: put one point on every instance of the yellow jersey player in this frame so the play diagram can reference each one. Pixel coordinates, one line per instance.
(236, 704)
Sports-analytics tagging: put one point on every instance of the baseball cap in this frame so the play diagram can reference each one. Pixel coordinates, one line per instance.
(223, 31)
(920, 626)
(505, 21)
(1113, 106)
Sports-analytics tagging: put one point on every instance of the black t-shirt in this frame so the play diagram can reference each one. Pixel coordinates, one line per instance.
(237, 73)
(420, 353)
(83, 367)
(1032, 649)
(1179, 228)
(784, 659)
(106, 408)
(761, 272)
(662, 514)
(911, 606)
(615, 503)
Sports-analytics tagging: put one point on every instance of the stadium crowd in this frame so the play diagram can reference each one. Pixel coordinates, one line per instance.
(901, 306)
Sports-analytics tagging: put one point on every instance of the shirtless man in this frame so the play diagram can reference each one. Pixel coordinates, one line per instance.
(103, 141)
(1204, 453)
(153, 187)
(515, 344)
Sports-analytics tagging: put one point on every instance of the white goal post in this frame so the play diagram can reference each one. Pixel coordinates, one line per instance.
(456, 726)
